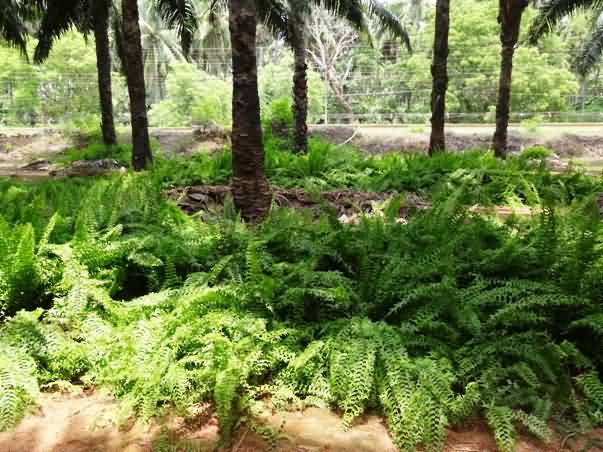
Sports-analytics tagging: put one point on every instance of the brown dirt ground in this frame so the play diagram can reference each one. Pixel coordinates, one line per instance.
(85, 422)
(20, 148)
(380, 140)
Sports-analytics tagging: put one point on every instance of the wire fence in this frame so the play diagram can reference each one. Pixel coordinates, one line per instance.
(369, 93)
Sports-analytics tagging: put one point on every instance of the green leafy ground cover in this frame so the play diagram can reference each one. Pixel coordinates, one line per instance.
(450, 316)
(482, 179)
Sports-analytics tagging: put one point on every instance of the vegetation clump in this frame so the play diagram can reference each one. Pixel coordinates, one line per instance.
(449, 316)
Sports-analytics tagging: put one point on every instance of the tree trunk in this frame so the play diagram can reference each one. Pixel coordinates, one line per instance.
(141, 149)
(103, 66)
(250, 188)
(439, 74)
(300, 80)
(509, 17)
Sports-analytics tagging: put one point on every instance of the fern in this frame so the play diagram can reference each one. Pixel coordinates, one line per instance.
(449, 316)
(18, 385)
(500, 419)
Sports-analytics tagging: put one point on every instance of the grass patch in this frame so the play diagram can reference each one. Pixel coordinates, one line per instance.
(98, 151)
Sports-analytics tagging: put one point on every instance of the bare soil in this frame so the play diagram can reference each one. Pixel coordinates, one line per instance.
(86, 422)
(20, 148)
(28, 153)
(373, 140)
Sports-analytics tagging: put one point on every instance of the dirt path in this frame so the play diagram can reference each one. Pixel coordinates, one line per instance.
(565, 141)
(21, 146)
(87, 423)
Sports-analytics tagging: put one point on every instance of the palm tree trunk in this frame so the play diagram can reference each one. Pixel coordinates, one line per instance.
(103, 66)
(439, 73)
(509, 17)
(250, 188)
(300, 81)
(141, 149)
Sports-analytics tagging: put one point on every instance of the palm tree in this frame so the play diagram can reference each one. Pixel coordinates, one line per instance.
(300, 78)
(160, 49)
(100, 15)
(212, 40)
(250, 188)
(439, 73)
(272, 12)
(134, 69)
(591, 49)
(177, 14)
(356, 13)
(509, 17)
(59, 17)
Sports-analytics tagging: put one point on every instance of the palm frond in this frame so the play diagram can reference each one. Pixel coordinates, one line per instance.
(58, 18)
(356, 12)
(181, 16)
(274, 14)
(388, 21)
(590, 52)
(552, 12)
(118, 39)
(13, 18)
(350, 10)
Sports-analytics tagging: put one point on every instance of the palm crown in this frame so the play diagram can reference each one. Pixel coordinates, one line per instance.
(554, 11)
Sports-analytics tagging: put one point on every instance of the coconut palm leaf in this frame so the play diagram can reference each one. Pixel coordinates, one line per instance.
(181, 16)
(552, 12)
(14, 16)
(59, 17)
(274, 14)
(357, 11)
(388, 21)
(590, 52)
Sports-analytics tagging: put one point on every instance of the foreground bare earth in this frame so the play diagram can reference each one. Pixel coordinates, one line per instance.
(86, 422)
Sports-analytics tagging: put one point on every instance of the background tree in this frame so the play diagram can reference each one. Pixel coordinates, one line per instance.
(86, 17)
(161, 48)
(177, 14)
(378, 83)
(355, 12)
(297, 18)
(509, 18)
(439, 74)
(212, 40)
(134, 69)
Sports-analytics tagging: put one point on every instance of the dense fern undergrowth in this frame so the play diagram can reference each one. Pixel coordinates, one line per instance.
(521, 179)
(447, 317)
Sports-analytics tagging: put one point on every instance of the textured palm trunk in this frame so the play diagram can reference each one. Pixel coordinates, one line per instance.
(141, 149)
(250, 188)
(103, 66)
(300, 82)
(439, 74)
(509, 17)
